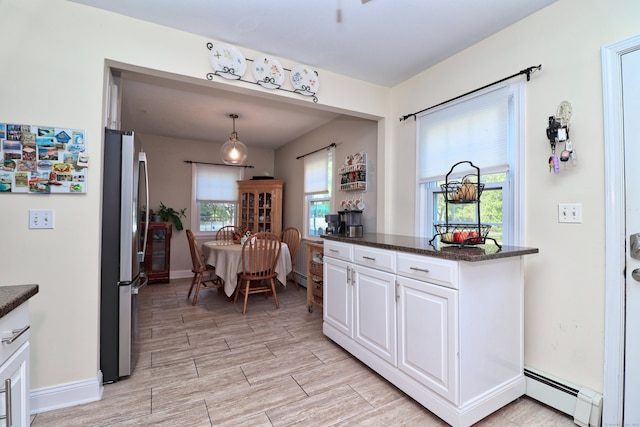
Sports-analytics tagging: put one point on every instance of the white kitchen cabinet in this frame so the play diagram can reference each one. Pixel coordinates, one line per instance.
(374, 325)
(14, 367)
(362, 297)
(14, 374)
(447, 332)
(338, 297)
(427, 335)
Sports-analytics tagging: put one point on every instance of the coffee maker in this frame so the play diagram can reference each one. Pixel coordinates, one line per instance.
(333, 223)
(350, 223)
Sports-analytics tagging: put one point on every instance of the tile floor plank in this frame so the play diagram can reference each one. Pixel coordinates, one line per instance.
(209, 365)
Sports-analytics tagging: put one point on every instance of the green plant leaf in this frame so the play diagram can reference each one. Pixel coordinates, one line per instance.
(172, 215)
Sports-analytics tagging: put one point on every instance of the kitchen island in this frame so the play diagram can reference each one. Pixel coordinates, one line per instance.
(11, 297)
(14, 353)
(443, 324)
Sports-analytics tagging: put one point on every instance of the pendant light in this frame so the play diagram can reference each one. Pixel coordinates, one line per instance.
(234, 152)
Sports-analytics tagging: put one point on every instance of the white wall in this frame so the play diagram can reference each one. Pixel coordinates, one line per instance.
(352, 135)
(52, 74)
(564, 295)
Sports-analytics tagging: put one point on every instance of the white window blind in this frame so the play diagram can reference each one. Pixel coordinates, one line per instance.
(217, 183)
(316, 178)
(475, 128)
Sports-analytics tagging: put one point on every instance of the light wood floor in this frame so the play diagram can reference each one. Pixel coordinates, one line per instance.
(209, 365)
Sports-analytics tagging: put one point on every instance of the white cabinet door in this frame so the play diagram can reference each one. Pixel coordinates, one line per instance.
(338, 295)
(427, 337)
(375, 312)
(15, 374)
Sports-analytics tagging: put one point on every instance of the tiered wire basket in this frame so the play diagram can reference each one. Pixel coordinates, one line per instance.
(464, 191)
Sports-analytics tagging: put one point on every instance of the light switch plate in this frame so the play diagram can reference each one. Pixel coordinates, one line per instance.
(41, 218)
(570, 212)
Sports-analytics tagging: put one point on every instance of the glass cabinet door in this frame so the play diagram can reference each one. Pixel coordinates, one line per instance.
(247, 211)
(157, 251)
(264, 212)
(260, 205)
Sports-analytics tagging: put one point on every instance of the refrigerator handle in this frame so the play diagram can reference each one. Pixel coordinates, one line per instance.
(142, 158)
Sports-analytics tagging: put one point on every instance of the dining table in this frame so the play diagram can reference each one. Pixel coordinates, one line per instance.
(226, 257)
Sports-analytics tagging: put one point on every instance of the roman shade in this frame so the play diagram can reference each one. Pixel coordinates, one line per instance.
(216, 183)
(316, 167)
(475, 128)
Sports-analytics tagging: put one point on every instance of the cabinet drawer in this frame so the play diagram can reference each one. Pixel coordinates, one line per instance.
(380, 259)
(16, 320)
(338, 250)
(428, 269)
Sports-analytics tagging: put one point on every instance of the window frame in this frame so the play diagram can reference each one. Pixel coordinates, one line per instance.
(431, 191)
(308, 198)
(195, 204)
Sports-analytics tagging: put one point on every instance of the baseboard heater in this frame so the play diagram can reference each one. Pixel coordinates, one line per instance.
(583, 404)
(302, 280)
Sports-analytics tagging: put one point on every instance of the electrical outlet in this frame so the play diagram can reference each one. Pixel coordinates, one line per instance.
(570, 212)
(40, 218)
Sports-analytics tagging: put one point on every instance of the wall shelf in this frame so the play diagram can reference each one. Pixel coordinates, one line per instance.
(353, 174)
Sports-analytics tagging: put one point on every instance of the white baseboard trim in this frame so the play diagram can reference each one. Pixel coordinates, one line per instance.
(66, 395)
(180, 274)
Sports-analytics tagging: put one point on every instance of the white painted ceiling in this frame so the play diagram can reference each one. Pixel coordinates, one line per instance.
(381, 41)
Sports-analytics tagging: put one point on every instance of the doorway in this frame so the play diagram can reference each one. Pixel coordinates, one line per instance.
(620, 66)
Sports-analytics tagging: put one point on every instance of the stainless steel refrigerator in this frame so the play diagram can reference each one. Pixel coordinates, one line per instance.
(125, 192)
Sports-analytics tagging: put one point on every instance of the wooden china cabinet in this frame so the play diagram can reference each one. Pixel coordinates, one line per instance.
(157, 251)
(260, 204)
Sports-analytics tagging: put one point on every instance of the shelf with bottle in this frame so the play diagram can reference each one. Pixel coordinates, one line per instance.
(353, 174)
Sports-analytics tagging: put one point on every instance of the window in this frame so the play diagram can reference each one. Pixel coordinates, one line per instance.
(317, 191)
(215, 196)
(486, 130)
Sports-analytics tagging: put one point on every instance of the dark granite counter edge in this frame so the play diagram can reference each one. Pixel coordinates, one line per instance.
(421, 246)
(12, 296)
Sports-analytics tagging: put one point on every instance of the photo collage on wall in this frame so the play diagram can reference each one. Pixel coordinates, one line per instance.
(42, 160)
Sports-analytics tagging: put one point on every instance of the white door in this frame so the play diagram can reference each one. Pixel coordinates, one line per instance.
(375, 312)
(631, 127)
(621, 209)
(14, 373)
(338, 295)
(427, 335)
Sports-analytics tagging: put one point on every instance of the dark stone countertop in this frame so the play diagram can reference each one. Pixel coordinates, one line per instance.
(421, 246)
(12, 296)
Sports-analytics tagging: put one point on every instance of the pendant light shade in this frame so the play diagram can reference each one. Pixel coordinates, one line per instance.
(234, 152)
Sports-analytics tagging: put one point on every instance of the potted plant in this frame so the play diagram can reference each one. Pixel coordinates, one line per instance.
(169, 214)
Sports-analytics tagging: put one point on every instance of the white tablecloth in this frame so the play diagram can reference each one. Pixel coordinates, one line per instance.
(227, 259)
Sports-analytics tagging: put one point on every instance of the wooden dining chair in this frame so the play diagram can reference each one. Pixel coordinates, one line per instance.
(292, 237)
(260, 255)
(228, 233)
(200, 268)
